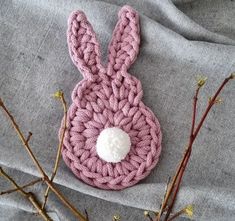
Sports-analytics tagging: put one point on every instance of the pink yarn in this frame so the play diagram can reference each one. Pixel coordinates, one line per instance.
(108, 97)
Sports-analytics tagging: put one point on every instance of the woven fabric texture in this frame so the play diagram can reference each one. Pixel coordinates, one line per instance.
(108, 96)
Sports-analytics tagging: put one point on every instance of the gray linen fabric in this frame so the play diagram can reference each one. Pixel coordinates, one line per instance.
(179, 40)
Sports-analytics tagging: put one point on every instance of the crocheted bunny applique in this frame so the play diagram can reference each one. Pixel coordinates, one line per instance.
(112, 140)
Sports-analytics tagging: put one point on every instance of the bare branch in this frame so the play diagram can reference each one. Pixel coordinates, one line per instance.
(58, 156)
(174, 186)
(28, 195)
(29, 136)
(22, 187)
(37, 164)
(22, 138)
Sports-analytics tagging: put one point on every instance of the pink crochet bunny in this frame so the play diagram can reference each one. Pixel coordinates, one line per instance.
(109, 97)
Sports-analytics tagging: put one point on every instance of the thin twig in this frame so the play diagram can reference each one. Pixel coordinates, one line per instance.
(27, 195)
(45, 177)
(181, 168)
(22, 138)
(172, 185)
(29, 136)
(177, 214)
(211, 103)
(195, 99)
(167, 186)
(192, 139)
(179, 174)
(166, 189)
(170, 207)
(22, 187)
(86, 213)
(65, 201)
(58, 156)
(147, 215)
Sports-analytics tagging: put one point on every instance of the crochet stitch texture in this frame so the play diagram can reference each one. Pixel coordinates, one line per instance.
(108, 96)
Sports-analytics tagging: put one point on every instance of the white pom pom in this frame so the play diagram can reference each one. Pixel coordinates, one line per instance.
(113, 144)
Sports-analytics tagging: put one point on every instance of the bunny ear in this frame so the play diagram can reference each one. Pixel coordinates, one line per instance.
(124, 45)
(84, 48)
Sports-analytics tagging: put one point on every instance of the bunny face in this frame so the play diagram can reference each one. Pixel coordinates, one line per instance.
(109, 97)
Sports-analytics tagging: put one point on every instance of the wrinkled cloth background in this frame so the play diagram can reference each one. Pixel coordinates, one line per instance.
(179, 40)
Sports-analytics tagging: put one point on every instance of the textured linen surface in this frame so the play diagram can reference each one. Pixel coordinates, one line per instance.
(179, 40)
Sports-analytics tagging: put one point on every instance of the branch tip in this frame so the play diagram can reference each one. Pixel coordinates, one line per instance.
(116, 218)
(201, 80)
(232, 76)
(58, 94)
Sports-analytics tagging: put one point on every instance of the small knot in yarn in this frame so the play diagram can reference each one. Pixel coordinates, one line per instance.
(113, 144)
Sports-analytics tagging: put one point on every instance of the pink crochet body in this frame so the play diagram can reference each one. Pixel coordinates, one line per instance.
(108, 96)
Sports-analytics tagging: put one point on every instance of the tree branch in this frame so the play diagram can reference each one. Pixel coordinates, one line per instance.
(174, 186)
(22, 138)
(193, 137)
(37, 164)
(28, 195)
(58, 156)
(22, 187)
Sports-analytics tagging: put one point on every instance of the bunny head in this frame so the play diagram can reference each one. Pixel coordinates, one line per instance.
(112, 140)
